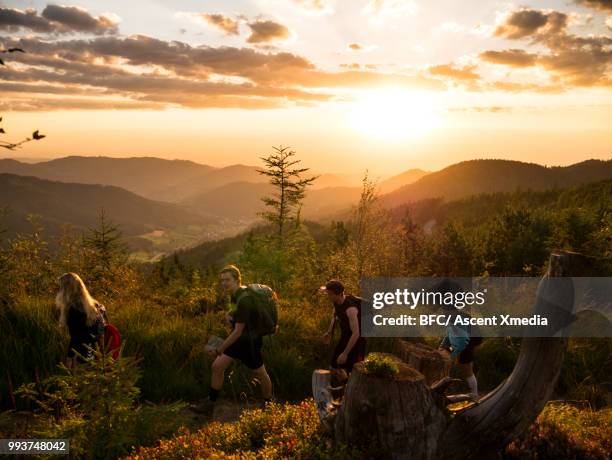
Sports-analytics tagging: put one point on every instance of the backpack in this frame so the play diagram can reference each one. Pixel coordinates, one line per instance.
(112, 340)
(265, 300)
(112, 336)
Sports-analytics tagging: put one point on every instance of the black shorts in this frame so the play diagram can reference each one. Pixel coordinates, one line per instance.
(356, 355)
(467, 355)
(248, 351)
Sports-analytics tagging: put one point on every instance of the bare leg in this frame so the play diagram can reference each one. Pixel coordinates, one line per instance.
(219, 365)
(467, 369)
(264, 380)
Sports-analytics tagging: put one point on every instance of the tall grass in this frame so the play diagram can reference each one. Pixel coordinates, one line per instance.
(170, 343)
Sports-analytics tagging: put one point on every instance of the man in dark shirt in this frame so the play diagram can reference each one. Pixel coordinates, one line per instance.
(242, 343)
(347, 314)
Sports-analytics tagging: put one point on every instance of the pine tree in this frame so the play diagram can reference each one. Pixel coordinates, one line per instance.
(107, 257)
(290, 189)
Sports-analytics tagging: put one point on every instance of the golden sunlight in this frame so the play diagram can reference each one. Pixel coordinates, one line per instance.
(395, 114)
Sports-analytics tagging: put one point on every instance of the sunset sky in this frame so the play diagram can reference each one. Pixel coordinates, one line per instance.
(349, 84)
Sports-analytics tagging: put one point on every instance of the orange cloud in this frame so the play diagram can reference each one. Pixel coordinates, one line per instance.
(224, 23)
(265, 31)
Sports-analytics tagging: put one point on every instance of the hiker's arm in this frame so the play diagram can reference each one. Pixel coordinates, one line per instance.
(353, 317)
(331, 324)
(237, 332)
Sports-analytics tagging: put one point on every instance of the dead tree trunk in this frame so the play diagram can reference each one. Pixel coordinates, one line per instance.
(403, 417)
(424, 359)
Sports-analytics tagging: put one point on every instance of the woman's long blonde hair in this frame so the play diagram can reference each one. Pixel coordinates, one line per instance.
(72, 290)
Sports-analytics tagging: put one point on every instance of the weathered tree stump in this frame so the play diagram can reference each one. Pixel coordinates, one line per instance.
(424, 359)
(403, 416)
(396, 415)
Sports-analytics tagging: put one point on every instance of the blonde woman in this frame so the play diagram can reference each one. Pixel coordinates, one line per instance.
(81, 314)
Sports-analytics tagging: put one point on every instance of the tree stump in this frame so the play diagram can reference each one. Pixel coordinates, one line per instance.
(394, 416)
(424, 359)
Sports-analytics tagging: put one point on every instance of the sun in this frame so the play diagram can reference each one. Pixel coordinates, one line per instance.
(395, 114)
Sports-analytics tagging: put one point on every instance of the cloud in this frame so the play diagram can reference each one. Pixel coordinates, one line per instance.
(57, 20)
(514, 87)
(78, 19)
(571, 61)
(12, 19)
(222, 22)
(511, 57)
(120, 72)
(266, 31)
(527, 22)
(601, 5)
(609, 23)
(358, 47)
(455, 73)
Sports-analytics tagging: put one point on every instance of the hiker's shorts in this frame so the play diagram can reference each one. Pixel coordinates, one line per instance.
(248, 351)
(356, 355)
(467, 354)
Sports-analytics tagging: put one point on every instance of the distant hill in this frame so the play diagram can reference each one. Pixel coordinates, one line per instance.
(215, 178)
(61, 203)
(405, 178)
(167, 180)
(242, 200)
(146, 176)
(487, 176)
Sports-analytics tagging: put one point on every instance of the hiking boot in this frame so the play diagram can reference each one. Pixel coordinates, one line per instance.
(206, 407)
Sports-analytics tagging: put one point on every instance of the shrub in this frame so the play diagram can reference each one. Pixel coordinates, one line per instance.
(565, 431)
(276, 432)
(94, 405)
(380, 365)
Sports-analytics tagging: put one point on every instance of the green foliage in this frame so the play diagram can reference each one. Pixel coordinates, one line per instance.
(94, 405)
(565, 431)
(380, 365)
(516, 242)
(276, 432)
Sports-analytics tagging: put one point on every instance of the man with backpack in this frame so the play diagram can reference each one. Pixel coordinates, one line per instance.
(252, 315)
(347, 314)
